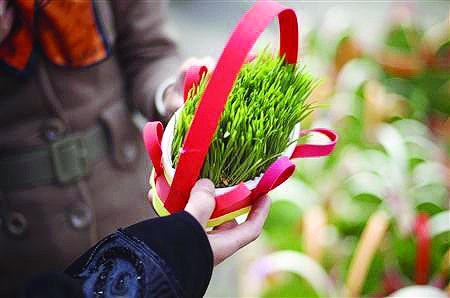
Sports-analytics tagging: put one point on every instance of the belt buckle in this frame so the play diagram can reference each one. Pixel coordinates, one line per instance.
(69, 158)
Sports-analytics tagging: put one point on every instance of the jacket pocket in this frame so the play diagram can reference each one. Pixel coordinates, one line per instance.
(123, 137)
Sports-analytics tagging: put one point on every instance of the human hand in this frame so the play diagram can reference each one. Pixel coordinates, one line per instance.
(229, 237)
(173, 95)
(6, 19)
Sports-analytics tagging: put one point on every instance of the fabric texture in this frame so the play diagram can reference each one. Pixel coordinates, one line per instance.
(66, 31)
(181, 241)
(163, 257)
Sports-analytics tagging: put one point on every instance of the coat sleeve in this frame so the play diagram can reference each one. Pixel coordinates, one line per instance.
(146, 52)
(161, 257)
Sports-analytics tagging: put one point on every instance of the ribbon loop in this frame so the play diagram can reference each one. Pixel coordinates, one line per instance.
(193, 77)
(153, 132)
(277, 173)
(316, 150)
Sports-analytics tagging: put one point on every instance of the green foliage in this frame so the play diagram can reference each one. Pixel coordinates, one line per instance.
(411, 181)
(398, 39)
(291, 286)
(374, 275)
(282, 226)
(267, 100)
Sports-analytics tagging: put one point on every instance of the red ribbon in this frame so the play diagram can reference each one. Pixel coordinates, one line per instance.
(153, 132)
(192, 77)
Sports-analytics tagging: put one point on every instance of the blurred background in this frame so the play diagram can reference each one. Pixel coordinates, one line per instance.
(372, 219)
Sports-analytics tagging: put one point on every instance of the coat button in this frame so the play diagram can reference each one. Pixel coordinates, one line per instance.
(53, 129)
(80, 217)
(15, 224)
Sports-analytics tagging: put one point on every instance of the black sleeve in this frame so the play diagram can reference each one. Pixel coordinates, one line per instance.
(162, 257)
(181, 241)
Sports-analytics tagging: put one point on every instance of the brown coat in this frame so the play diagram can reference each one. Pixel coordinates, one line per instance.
(45, 227)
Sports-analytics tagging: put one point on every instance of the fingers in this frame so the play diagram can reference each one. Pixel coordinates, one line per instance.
(6, 20)
(227, 241)
(258, 214)
(172, 99)
(226, 226)
(3, 4)
(201, 203)
(208, 61)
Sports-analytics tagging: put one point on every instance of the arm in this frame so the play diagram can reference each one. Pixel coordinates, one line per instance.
(169, 256)
(147, 54)
(161, 257)
(149, 258)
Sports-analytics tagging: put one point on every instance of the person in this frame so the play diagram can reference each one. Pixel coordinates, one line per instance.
(170, 256)
(72, 164)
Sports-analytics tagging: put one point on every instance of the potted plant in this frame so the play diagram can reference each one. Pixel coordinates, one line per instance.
(240, 125)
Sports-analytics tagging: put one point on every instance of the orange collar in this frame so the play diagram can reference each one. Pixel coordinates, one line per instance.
(67, 32)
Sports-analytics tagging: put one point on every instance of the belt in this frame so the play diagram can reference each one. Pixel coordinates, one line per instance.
(65, 160)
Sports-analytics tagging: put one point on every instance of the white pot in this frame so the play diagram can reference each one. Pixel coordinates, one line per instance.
(167, 156)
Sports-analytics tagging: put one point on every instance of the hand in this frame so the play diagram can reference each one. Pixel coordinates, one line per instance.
(173, 96)
(229, 237)
(6, 19)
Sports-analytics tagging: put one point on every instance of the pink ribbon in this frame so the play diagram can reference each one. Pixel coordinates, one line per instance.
(316, 150)
(193, 77)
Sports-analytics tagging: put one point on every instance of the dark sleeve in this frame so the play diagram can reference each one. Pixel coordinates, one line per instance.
(161, 257)
(183, 244)
(147, 53)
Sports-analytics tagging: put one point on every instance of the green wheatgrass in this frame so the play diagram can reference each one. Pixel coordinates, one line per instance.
(267, 100)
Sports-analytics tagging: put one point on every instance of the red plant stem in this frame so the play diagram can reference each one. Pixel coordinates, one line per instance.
(422, 249)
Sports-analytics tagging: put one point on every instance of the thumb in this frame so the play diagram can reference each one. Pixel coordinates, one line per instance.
(201, 203)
